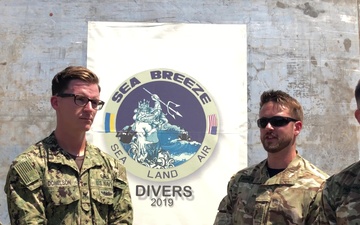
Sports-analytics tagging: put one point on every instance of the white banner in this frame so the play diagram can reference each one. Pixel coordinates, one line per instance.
(175, 113)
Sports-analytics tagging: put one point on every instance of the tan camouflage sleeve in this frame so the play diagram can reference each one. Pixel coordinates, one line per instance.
(24, 195)
(122, 213)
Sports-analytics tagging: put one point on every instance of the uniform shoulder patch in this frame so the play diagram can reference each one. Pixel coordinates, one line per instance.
(27, 173)
(246, 179)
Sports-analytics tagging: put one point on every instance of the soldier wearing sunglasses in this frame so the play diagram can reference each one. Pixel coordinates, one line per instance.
(283, 188)
(340, 203)
(63, 179)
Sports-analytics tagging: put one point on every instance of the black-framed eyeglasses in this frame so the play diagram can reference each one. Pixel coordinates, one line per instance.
(83, 101)
(275, 121)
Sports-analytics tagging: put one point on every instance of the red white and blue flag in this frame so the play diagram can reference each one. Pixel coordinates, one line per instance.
(212, 124)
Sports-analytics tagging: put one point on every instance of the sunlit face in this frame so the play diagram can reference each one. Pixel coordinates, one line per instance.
(70, 116)
(357, 115)
(276, 139)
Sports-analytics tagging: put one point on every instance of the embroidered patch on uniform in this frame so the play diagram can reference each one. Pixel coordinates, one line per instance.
(27, 173)
(106, 193)
(246, 179)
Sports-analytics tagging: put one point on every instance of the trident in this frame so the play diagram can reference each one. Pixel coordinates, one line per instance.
(169, 109)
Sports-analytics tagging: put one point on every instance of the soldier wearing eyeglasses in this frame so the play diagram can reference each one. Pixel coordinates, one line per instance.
(63, 179)
(340, 200)
(282, 189)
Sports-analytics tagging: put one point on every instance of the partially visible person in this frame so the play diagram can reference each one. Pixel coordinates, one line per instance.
(340, 200)
(63, 179)
(283, 188)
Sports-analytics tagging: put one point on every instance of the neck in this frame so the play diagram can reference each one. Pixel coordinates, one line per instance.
(72, 143)
(280, 160)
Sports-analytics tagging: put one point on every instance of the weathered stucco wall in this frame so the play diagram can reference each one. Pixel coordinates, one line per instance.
(308, 48)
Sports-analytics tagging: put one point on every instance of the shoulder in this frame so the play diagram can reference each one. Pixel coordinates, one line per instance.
(248, 174)
(250, 170)
(343, 188)
(346, 177)
(97, 152)
(37, 152)
(307, 169)
(33, 153)
(115, 165)
(27, 168)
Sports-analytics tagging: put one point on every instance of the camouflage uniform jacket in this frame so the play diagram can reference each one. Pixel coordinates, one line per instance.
(45, 186)
(290, 197)
(341, 197)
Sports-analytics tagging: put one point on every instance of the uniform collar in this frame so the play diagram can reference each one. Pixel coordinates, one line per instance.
(288, 176)
(58, 155)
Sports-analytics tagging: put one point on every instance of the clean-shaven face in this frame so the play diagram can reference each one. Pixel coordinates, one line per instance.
(74, 117)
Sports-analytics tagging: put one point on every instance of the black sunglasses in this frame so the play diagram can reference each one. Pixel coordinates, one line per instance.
(275, 121)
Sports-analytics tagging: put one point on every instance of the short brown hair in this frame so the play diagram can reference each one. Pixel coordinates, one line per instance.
(284, 100)
(62, 79)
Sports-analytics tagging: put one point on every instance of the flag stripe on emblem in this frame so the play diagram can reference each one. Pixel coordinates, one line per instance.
(212, 124)
(109, 123)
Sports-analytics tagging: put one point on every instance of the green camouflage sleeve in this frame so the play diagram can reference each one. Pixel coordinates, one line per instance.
(223, 216)
(24, 195)
(327, 214)
(122, 212)
(340, 197)
(314, 209)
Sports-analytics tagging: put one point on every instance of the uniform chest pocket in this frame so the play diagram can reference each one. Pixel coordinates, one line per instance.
(102, 191)
(63, 195)
(246, 196)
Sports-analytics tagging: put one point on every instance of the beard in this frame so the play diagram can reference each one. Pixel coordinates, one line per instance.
(276, 145)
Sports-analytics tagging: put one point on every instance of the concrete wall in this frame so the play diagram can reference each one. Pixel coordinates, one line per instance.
(307, 48)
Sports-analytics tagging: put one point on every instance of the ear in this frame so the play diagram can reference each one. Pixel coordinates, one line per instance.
(54, 102)
(357, 115)
(297, 127)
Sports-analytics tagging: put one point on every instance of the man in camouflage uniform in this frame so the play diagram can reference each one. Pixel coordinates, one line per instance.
(63, 179)
(283, 188)
(340, 200)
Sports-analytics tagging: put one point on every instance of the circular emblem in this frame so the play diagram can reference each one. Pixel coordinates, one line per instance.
(164, 122)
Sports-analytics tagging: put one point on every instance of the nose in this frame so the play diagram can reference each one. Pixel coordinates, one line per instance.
(268, 126)
(89, 106)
